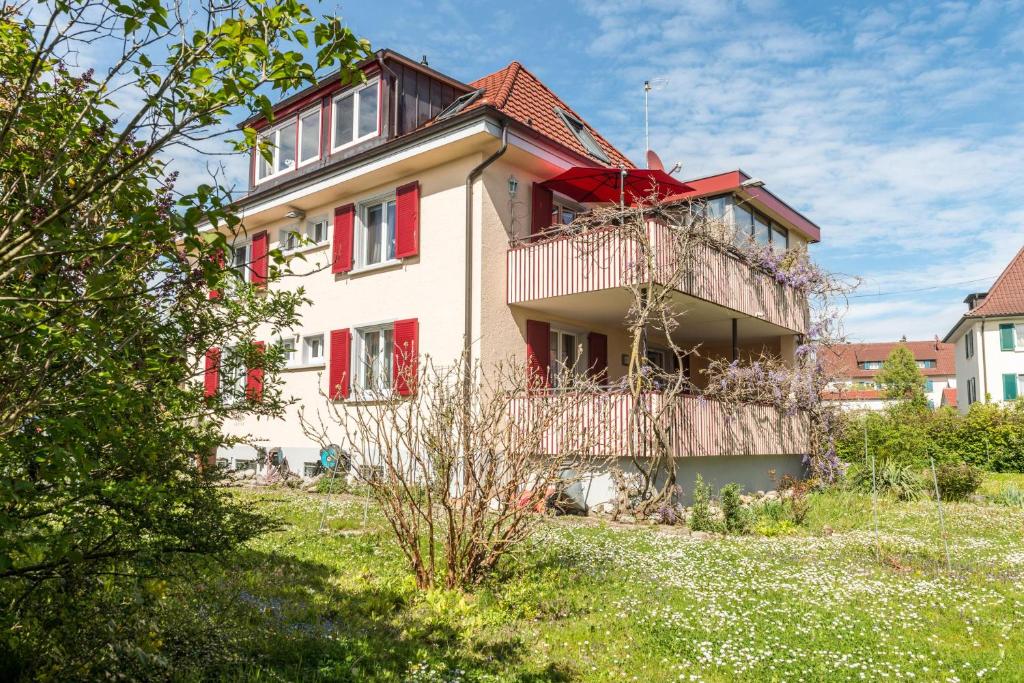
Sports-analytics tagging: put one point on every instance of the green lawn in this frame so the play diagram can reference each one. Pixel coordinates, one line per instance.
(590, 602)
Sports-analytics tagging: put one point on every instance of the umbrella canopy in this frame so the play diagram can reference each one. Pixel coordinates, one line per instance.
(603, 185)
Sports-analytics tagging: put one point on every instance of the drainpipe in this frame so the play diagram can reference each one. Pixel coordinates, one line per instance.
(392, 93)
(470, 179)
(984, 366)
(735, 340)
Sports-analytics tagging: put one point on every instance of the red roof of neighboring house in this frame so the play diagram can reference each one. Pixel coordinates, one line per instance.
(1006, 297)
(518, 93)
(853, 395)
(949, 396)
(841, 360)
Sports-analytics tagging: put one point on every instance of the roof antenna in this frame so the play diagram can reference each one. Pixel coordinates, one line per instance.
(424, 61)
(654, 84)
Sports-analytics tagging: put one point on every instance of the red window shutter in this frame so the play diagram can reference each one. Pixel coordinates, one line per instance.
(339, 375)
(218, 258)
(597, 345)
(344, 224)
(407, 220)
(538, 353)
(212, 378)
(254, 378)
(259, 259)
(405, 363)
(540, 216)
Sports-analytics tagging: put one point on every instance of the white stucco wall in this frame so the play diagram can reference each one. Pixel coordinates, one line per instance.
(989, 363)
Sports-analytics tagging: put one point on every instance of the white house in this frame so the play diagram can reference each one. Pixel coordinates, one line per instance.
(989, 340)
(421, 198)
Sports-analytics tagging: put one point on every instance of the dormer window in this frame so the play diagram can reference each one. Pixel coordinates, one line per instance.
(356, 115)
(294, 142)
(458, 105)
(577, 128)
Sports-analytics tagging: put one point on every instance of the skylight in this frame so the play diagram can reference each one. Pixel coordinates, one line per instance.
(583, 135)
(459, 104)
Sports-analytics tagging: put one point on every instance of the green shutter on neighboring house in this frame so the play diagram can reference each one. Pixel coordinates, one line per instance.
(1006, 337)
(1009, 387)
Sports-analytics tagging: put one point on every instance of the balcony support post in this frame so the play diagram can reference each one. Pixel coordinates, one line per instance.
(735, 340)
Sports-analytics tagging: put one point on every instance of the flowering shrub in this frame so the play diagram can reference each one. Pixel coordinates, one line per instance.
(959, 481)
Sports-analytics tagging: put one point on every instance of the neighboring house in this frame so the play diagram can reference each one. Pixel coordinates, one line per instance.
(989, 340)
(853, 368)
(395, 181)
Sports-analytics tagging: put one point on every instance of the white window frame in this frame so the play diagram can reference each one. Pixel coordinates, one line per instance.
(276, 150)
(246, 270)
(362, 227)
(561, 203)
(299, 161)
(311, 222)
(359, 367)
(582, 133)
(969, 344)
(304, 235)
(1018, 336)
(237, 389)
(307, 340)
(282, 239)
(356, 94)
(579, 369)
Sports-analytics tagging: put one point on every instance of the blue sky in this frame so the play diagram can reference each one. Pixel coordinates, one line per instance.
(898, 128)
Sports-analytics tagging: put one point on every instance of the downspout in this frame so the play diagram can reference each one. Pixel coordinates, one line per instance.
(393, 93)
(984, 366)
(470, 179)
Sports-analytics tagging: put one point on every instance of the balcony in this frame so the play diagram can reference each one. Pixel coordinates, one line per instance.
(578, 268)
(694, 427)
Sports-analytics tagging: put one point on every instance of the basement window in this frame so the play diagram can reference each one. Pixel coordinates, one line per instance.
(579, 129)
(458, 105)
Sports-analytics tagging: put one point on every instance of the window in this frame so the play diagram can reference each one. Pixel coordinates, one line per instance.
(289, 238)
(969, 344)
(577, 128)
(316, 230)
(762, 233)
(240, 260)
(743, 223)
(289, 347)
(929, 386)
(927, 363)
(245, 464)
(566, 349)
(1020, 336)
(313, 349)
(458, 105)
(356, 115)
(374, 352)
(717, 207)
(311, 469)
(282, 141)
(232, 375)
(223, 463)
(870, 365)
(1012, 385)
(972, 391)
(563, 213)
(1008, 341)
(780, 237)
(309, 136)
(377, 232)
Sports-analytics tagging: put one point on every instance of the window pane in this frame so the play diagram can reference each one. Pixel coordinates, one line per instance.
(317, 231)
(741, 219)
(368, 110)
(761, 232)
(387, 352)
(263, 167)
(716, 207)
(553, 358)
(310, 145)
(391, 230)
(371, 351)
(569, 351)
(239, 258)
(780, 237)
(374, 230)
(343, 121)
(286, 147)
(1020, 336)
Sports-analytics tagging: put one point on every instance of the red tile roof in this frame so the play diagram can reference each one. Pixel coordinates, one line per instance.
(949, 396)
(841, 360)
(518, 93)
(1006, 297)
(853, 395)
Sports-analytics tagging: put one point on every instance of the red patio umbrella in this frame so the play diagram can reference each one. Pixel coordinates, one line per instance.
(610, 185)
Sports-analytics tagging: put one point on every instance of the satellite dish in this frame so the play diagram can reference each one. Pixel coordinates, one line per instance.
(654, 161)
(329, 456)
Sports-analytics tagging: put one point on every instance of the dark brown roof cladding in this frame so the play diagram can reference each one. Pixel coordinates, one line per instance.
(1006, 297)
(516, 92)
(841, 360)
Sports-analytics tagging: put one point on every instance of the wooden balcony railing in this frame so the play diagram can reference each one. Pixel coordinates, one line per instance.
(609, 424)
(575, 264)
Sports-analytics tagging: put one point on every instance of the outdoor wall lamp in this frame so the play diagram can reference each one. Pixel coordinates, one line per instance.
(293, 212)
(513, 185)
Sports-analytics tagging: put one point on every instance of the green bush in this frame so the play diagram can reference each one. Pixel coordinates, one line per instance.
(900, 481)
(990, 436)
(1010, 496)
(737, 518)
(958, 482)
(700, 518)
